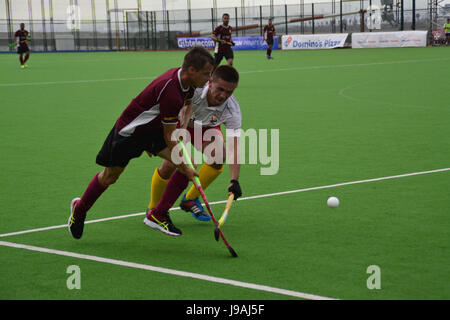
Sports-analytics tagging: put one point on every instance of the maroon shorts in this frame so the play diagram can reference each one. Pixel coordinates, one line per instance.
(23, 48)
(219, 56)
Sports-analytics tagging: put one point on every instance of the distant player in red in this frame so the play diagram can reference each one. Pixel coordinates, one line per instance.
(222, 37)
(21, 36)
(146, 124)
(268, 34)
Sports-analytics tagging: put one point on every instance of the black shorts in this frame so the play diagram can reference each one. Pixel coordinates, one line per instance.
(117, 150)
(269, 42)
(22, 48)
(219, 56)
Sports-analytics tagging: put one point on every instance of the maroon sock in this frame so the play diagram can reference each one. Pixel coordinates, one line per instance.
(177, 183)
(21, 60)
(26, 58)
(92, 193)
(269, 52)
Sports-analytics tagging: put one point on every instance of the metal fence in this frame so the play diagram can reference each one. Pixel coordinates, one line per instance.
(110, 25)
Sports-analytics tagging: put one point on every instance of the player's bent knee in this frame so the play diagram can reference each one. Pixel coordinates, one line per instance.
(107, 181)
(217, 166)
(109, 176)
(111, 180)
(166, 169)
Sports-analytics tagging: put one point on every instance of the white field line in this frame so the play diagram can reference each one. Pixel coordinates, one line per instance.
(347, 65)
(168, 271)
(241, 72)
(70, 81)
(242, 199)
(378, 102)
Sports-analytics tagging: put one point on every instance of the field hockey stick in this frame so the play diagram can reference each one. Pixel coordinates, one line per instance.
(231, 43)
(13, 44)
(205, 200)
(224, 216)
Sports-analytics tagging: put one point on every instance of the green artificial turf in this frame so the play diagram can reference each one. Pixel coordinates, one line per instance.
(341, 115)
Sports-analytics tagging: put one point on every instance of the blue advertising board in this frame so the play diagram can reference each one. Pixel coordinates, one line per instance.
(241, 43)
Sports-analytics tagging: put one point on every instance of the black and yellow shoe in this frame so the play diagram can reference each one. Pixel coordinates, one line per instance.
(75, 223)
(164, 224)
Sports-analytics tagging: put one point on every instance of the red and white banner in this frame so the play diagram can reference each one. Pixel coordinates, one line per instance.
(389, 39)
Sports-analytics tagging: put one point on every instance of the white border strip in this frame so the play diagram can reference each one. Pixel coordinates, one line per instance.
(241, 199)
(168, 271)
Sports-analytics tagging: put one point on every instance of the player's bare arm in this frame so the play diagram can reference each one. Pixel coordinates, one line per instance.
(215, 39)
(235, 167)
(234, 161)
(185, 114)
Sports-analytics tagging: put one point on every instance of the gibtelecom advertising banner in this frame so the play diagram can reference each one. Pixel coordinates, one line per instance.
(314, 41)
(241, 43)
(389, 39)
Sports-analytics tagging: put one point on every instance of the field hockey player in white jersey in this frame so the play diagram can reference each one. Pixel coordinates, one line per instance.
(211, 106)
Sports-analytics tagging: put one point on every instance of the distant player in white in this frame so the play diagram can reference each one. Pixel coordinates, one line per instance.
(212, 106)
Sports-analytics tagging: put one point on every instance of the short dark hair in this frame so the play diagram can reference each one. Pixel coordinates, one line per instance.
(226, 73)
(225, 14)
(197, 58)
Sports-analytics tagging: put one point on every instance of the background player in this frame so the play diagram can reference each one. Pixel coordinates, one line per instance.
(145, 125)
(211, 106)
(222, 37)
(268, 34)
(21, 36)
(447, 31)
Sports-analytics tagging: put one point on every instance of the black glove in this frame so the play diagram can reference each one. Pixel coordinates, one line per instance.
(232, 43)
(235, 188)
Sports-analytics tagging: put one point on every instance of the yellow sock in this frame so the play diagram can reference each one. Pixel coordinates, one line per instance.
(157, 189)
(207, 175)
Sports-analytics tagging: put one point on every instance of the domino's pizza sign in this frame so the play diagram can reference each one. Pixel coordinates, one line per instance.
(287, 42)
(319, 41)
